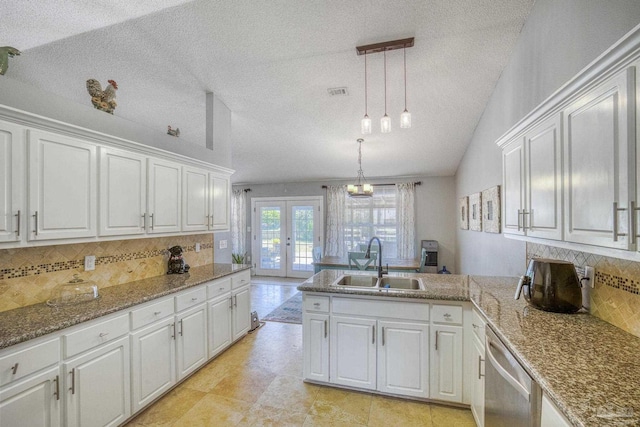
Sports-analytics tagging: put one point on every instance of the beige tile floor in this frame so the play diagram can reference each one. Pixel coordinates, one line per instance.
(258, 382)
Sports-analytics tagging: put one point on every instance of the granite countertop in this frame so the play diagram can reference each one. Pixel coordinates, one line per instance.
(587, 367)
(22, 324)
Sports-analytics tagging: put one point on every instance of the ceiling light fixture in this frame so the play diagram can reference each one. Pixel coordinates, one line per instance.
(365, 124)
(360, 189)
(385, 121)
(405, 117)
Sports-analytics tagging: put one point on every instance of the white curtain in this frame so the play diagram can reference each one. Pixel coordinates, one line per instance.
(406, 219)
(238, 221)
(336, 209)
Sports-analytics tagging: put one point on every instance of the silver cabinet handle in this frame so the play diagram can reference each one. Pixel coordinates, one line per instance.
(519, 213)
(103, 334)
(447, 316)
(437, 339)
(634, 221)
(325, 328)
(144, 220)
(73, 381)
(180, 331)
(235, 302)
(152, 220)
(231, 303)
(373, 335)
(18, 224)
(155, 313)
(56, 393)
(14, 369)
(221, 288)
(36, 221)
(524, 221)
(194, 299)
(316, 304)
(172, 330)
(616, 209)
(480, 374)
(382, 336)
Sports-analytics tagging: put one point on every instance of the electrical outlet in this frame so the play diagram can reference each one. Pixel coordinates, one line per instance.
(223, 244)
(590, 273)
(197, 247)
(248, 259)
(89, 263)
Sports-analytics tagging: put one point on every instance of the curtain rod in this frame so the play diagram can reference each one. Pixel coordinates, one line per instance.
(384, 185)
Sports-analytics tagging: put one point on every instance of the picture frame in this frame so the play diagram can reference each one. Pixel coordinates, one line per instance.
(475, 212)
(491, 221)
(463, 212)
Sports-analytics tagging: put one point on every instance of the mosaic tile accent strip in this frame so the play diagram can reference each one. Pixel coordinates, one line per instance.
(626, 284)
(32, 270)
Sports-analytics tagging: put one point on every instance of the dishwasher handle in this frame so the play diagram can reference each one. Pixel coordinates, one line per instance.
(491, 346)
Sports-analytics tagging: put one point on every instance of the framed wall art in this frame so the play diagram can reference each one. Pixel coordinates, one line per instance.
(463, 212)
(491, 209)
(475, 212)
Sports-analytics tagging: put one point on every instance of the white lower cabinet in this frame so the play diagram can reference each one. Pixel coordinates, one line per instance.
(97, 386)
(315, 335)
(241, 311)
(191, 340)
(551, 415)
(446, 363)
(153, 366)
(34, 402)
(352, 357)
(219, 324)
(477, 397)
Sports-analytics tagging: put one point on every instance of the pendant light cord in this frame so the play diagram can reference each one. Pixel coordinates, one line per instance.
(385, 82)
(404, 50)
(365, 86)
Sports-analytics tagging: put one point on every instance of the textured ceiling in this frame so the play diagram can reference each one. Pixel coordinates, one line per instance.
(271, 63)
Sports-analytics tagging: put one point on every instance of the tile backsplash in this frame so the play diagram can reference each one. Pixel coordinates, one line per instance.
(28, 275)
(616, 296)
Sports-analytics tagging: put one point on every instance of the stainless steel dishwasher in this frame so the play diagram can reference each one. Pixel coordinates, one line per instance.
(512, 397)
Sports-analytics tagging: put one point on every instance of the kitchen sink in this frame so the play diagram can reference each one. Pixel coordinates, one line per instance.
(357, 281)
(400, 283)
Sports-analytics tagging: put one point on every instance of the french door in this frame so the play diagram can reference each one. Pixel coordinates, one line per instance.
(285, 231)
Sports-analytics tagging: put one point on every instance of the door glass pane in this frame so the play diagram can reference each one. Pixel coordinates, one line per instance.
(270, 237)
(302, 229)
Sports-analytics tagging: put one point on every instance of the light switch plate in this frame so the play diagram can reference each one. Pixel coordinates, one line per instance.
(89, 263)
(223, 244)
(590, 273)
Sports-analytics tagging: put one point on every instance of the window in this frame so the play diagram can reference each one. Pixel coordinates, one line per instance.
(374, 216)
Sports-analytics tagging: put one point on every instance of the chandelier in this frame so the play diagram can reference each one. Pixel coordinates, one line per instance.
(360, 189)
(385, 121)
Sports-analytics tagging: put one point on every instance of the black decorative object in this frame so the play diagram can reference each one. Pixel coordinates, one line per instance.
(176, 262)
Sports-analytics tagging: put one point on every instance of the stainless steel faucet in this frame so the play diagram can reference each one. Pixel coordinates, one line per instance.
(368, 255)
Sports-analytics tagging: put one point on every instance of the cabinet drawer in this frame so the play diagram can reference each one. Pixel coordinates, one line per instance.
(149, 314)
(450, 314)
(218, 287)
(316, 303)
(95, 335)
(240, 279)
(381, 308)
(191, 298)
(478, 324)
(29, 360)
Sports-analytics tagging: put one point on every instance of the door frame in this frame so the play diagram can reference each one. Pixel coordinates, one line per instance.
(255, 250)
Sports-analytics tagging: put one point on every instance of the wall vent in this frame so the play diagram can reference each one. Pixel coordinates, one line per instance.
(338, 91)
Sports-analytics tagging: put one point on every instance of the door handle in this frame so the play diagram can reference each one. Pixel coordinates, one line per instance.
(634, 221)
(437, 339)
(519, 213)
(36, 221)
(172, 327)
(144, 220)
(382, 336)
(480, 374)
(373, 335)
(152, 220)
(18, 224)
(56, 393)
(616, 209)
(180, 331)
(235, 303)
(325, 328)
(73, 381)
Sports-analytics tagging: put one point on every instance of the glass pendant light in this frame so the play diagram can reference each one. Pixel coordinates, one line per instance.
(365, 124)
(385, 121)
(360, 189)
(405, 117)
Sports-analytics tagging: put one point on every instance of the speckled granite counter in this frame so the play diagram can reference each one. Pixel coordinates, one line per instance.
(587, 367)
(30, 322)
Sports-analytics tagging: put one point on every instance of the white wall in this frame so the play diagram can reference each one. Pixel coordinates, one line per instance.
(559, 38)
(435, 208)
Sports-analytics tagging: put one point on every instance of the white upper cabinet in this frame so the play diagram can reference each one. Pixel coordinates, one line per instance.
(599, 144)
(11, 182)
(62, 187)
(513, 186)
(219, 207)
(123, 192)
(195, 213)
(164, 203)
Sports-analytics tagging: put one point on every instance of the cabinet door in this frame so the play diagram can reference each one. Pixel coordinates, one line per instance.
(62, 187)
(220, 324)
(403, 358)
(191, 340)
(164, 203)
(477, 397)
(153, 369)
(598, 147)
(12, 214)
(123, 192)
(513, 187)
(543, 214)
(446, 363)
(315, 336)
(551, 415)
(219, 206)
(32, 403)
(241, 312)
(97, 386)
(353, 352)
(195, 213)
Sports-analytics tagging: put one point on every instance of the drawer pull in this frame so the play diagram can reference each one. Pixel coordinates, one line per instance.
(194, 299)
(155, 313)
(221, 288)
(14, 369)
(475, 326)
(316, 304)
(103, 334)
(57, 392)
(73, 381)
(447, 316)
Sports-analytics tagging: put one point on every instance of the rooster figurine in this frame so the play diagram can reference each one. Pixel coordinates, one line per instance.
(6, 52)
(173, 132)
(104, 100)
